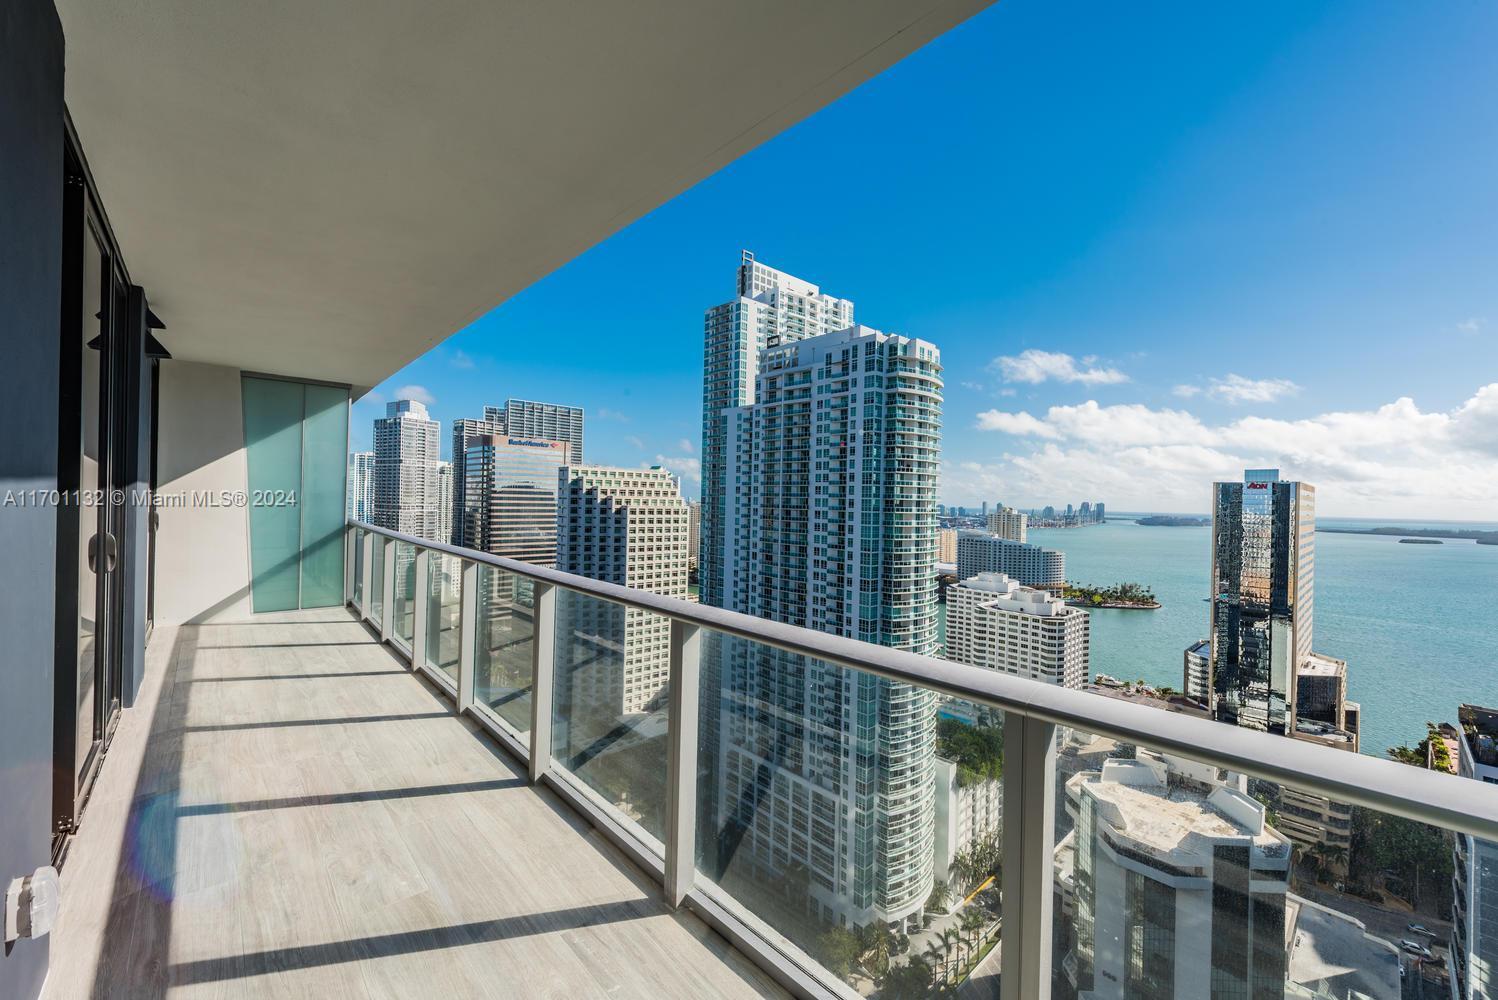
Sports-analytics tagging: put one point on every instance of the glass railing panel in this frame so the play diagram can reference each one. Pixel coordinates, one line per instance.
(609, 702)
(444, 611)
(503, 648)
(359, 568)
(1175, 878)
(858, 818)
(377, 581)
(404, 596)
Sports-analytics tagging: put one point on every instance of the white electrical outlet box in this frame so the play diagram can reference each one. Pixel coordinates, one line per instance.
(32, 904)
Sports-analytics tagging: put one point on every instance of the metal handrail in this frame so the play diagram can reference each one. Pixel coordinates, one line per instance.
(1458, 804)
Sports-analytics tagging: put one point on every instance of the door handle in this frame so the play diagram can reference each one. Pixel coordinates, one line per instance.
(111, 553)
(93, 554)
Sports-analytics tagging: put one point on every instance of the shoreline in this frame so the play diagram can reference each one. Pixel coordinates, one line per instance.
(1080, 602)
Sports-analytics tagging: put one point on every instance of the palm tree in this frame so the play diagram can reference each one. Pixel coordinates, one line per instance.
(934, 961)
(950, 939)
(972, 925)
(879, 950)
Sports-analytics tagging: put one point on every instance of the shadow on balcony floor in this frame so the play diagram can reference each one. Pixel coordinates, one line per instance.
(337, 837)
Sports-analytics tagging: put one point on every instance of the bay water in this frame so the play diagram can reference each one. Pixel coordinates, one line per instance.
(1417, 624)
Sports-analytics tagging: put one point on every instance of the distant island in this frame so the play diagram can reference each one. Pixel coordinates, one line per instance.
(1421, 541)
(1174, 521)
(1122, 596)
(1471, 534)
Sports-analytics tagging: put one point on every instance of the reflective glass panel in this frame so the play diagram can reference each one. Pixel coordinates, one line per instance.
(404, 596)
(609, 726)
(444, 611)
(503, 670)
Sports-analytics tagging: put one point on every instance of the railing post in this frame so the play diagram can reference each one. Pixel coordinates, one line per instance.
(1028, 851)
(467, 633)
(419, 607)
(367, 571)
(387, 589)
(681, 762)
(543, 674)
(350, 539)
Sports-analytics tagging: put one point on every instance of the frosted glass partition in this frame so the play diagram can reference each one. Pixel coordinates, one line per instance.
(295, 438)
(324, 470)
(273, 456)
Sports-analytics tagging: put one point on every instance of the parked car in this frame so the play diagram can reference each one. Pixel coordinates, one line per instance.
(1421, 929)
(1415, 948)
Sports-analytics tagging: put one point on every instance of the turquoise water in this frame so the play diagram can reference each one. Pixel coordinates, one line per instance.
(1417, 624)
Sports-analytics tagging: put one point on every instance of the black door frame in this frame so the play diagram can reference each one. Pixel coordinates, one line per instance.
(118, 411)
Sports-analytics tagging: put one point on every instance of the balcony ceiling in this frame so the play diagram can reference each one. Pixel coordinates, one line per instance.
(328, 188)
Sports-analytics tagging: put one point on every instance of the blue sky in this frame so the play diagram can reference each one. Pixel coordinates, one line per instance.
(1154, 242)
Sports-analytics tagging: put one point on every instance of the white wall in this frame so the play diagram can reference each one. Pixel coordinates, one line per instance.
(202, 548)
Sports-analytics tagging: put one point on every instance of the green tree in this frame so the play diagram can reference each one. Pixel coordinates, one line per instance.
(941, 895)
(837, 950)
(910, 981)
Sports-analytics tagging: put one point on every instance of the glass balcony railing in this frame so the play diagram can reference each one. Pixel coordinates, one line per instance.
(862, 821)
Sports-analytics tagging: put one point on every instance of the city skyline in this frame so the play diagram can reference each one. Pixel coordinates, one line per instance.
(1079, 310)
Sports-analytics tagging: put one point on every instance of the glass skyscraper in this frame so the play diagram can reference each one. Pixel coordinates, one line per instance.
(1263, 571)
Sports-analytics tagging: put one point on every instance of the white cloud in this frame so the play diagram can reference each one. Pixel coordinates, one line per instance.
(1015, 423)
(461, 359)
(1237, 389)
(1470, 325)
(1187, 391)
(604, 413)
(636, 442)
(1035, 366)
(1392, 460)
(416, 392)
(685, 447)
(685, 466)
(1127, 423)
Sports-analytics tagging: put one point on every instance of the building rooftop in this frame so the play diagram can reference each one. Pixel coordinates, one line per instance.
(1333, 953)
(1010, 595)
(1320, 665)
(1480, 726)
(1170, 816)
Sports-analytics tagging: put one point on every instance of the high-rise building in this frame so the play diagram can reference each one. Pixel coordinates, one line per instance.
(994, 623)
(946, 546)
(361, 484)
(819, 509)
(442, 473)
(465, 432)
(694, 532)
(1008, 523)
(1099, 512)
(771, 308)
(1033, 566)
(1263, 566)
(1180, 884)
(1474, 914)
(519, 418)
(967, 812)
(512, 496)
(546, 421)
(1262, 612)
(1196, 680)
(406, 453)
(630, 527)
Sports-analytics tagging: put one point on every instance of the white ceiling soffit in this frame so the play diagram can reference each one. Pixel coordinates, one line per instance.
(328, 188)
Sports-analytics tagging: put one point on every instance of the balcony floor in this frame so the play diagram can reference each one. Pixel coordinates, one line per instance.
(289, 811)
